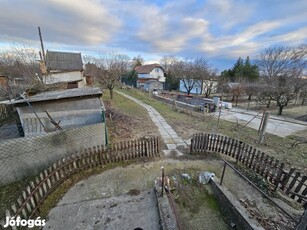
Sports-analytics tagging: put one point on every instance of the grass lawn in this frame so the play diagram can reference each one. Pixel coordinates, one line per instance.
(126, 120)
(187, 124)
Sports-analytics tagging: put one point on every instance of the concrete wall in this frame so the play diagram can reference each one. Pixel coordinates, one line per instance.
(153, 85)
(63, 77)
(179, 103)
(24, 157)
(71, 112)
(233, 209)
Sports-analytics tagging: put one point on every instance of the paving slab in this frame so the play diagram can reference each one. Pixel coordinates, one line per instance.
(169, 135)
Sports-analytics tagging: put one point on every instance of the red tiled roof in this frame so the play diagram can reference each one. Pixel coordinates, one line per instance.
(143, 80)
(147, 68)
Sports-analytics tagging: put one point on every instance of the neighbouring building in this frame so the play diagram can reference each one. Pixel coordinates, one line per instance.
(199, 87)
(67, 109)
(63, 67)
(152, 73)
(151, 85)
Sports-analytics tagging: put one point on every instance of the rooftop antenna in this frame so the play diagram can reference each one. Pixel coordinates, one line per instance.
(42, 44)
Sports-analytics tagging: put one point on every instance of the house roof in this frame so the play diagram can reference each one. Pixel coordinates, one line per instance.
(59, 94)
(142, 80)
(147, 68)
(64, 61)
(152, 81)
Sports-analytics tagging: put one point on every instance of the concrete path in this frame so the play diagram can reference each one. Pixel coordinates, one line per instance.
(170, 137)
(118, 199)
(279, 126)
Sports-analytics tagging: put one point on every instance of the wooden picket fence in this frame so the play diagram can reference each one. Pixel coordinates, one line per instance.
(28, 204)
(288, 180)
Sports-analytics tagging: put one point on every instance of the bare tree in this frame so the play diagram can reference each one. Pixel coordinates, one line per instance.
(19, 64)
(111, 67)
(192, 72)
(137, 61)
(282, 68)
(209, 81)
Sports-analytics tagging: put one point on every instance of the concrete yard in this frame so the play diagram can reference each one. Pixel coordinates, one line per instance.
(103, 202)
(111, 213)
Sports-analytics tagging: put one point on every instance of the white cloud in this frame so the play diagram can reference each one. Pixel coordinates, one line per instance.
(228, 13)
(68, 22)
(240, 44)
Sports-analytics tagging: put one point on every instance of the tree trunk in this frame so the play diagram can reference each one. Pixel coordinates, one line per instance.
(280, 110)
(249, 97)
(233, 98)
(269, 103)
(111, 93)
(237, 97)
(303, 101)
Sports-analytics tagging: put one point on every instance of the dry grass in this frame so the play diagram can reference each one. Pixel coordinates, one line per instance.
(187, 124)
(127, 120)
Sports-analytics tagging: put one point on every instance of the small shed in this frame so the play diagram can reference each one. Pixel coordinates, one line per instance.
(151, 85)
(63, 67)
(69, 108)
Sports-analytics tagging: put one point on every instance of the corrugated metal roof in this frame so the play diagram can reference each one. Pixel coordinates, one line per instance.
(146, 68)
(60, 94)
(64, 61)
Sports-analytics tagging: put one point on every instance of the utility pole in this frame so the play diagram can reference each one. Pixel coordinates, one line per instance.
(263, 128)
(42, 44)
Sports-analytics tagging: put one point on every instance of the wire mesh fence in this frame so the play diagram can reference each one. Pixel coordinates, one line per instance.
(23, 157)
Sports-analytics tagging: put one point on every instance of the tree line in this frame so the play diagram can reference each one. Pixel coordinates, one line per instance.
(274, 76)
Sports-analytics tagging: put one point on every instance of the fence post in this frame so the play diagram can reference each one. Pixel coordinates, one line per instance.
(222, 178)
(192, 142)
(162, 168)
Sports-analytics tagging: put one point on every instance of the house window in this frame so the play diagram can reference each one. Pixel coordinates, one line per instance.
(157, 70)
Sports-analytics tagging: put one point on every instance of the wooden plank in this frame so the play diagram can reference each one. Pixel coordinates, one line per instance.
(232, 144)
(235, 149)
(279, 174)
(299, 186)
(241, 151)
(260, 162)
(252, 157)
(264, 163)
(304, 193)
(197, 143)
(273, 172)
(209, 141)
(221, 145)
(227, 146)
(286, 178)
(293, 182)
(201, 142)
(192, 144)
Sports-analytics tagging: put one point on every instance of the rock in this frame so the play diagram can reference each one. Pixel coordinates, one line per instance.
(186, 176)
(205, 177)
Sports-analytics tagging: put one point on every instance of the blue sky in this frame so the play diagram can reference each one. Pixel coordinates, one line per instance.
(219, 30)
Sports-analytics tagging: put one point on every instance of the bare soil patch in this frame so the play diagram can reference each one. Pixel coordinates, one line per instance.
(127, 120)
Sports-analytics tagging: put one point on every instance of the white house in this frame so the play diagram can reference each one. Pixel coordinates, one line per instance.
(149, 72)
(198, 86)
(63, 67)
